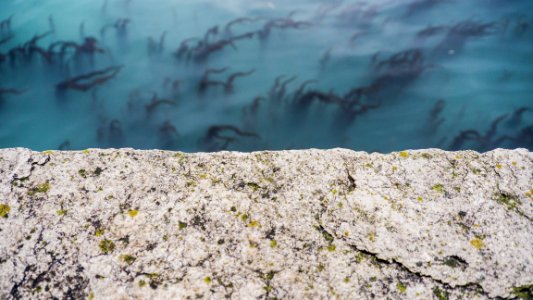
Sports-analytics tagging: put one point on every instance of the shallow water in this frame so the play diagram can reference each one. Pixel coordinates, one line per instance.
(465, 85)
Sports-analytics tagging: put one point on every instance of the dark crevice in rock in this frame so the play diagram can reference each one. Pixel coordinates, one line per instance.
(510, 202)
(472, 286)
(352, 186)
(34, 164)
(15, 289)
(16, 178)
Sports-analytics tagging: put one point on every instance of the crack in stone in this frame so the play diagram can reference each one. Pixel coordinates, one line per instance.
(32, 168)
(14, 292)
(352, 186)
(516, 209)
(472, 286)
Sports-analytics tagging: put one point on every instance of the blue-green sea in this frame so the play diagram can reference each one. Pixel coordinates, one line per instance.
(246, 75)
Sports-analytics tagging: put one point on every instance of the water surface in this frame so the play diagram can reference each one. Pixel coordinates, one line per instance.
(375, 76)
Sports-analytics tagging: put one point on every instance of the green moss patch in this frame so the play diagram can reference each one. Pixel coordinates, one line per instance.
(41, 188)
(426, 155)
(440, 294)
(454, 261)
(438, 188)
(129, 259)
(244, 217)
(346, 279)
(510, 202)
(98, 171)
(82, 173)
(270, 275)
(253, 186)
(182, 225)
(327, 236)
(523, 292)
(106, 246)
(401, 287)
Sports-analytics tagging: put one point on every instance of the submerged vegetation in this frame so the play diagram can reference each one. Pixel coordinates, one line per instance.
(237, 75)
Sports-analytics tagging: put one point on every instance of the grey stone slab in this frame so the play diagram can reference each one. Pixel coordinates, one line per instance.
(127, 224)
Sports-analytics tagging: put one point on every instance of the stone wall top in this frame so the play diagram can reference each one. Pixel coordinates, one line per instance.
(118, 224)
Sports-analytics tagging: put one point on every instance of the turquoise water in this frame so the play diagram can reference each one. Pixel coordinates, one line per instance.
(381, 75)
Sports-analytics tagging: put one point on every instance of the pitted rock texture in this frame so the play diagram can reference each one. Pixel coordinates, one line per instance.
(126, 224)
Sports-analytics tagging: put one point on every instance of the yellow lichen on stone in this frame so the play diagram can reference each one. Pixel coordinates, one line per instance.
(498, 166)
(208, 280)
(4, 210)
(371, 236)
(99, 231)
(133, 213)
(477, 243)
(530, 194)
(401, 287)
(404, 154)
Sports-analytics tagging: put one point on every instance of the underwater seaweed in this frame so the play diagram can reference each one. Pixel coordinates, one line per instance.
(299, 74)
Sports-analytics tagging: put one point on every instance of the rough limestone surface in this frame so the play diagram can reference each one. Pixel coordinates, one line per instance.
(126, 224)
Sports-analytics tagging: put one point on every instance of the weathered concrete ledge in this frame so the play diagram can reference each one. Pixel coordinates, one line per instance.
(119, 224)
